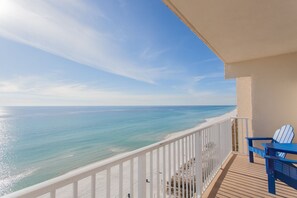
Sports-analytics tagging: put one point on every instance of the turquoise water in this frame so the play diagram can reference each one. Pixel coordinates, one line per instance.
(39, 143)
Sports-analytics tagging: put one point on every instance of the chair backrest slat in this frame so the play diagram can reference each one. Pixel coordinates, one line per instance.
(284, 135)
(286, 132)
(276, 135)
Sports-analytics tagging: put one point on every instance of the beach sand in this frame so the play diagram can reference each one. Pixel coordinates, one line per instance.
(84, 186)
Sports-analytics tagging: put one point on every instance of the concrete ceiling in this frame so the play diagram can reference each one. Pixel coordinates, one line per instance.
(240, 30)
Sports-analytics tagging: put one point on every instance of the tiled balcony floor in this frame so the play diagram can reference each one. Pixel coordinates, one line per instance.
(239, 178)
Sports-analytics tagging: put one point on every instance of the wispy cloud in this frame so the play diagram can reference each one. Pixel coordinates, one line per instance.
(192, 84)
(32, 90)
(208, 76)
(201, 62)
(198, 78)
(63, 28)
(9, 87)
(149, 53)
(41, 86)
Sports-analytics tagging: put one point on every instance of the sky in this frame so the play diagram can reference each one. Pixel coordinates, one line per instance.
(96, 52)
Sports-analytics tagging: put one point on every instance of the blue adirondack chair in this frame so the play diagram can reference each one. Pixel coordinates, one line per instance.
(279, 168)
(283, 135)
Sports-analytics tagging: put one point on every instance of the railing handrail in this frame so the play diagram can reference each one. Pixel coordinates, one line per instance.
(235, 117)
(88, 170)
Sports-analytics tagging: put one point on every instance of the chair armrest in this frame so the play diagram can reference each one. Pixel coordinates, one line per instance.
(281, 159)
(259, 138)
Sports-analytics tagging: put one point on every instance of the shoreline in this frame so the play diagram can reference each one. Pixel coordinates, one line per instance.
(207, 121)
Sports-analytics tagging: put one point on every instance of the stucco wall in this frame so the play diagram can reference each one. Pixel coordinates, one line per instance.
(244, 110)
(273, 91)
(244, 97)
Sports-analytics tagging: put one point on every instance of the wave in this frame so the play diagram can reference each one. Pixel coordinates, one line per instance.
(6, 183)
(118, 149)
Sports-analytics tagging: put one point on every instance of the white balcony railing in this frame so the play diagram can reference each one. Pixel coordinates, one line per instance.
(182, 166)
(240, 129)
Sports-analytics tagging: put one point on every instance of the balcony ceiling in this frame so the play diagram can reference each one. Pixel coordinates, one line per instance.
(239, 30)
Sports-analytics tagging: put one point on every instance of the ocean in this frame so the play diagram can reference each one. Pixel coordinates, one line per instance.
(40, 143)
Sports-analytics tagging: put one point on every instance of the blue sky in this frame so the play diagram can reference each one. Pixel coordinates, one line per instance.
(115, 52)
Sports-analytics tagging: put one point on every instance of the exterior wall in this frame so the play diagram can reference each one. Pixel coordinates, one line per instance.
(244, 110)
(273, 92)
(244, 97)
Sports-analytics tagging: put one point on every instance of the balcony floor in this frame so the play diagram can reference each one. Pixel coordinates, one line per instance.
(239, 178)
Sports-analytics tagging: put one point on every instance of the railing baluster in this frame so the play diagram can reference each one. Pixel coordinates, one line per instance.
(151, 174)
(93, 186)
(219, 145)
(215, 131)
(164, 173)
(211, 151)
(209, 156)
(222, 143)
(174, 168)
(53, 194)
(158, 173)
(142, 175)
(189, 166)
(75, 189)
(246, 132)
(215, 134)
(207, 143)
(169, 170)
(108, 183)
(178, 167)
(187, 171)
(132, 177)
(217, 148)
(193, 157)
(198, 165)
(203, 155)
(121, 180)
(242, 139)
(206, 158)
(183, 167)
(225, 141)
(192, 164)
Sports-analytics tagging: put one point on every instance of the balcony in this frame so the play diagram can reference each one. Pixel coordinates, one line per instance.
(239, 178)
(204, 162)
